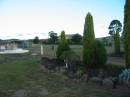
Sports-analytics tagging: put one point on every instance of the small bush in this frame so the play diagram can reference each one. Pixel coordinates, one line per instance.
(99, 55)
(63, 45)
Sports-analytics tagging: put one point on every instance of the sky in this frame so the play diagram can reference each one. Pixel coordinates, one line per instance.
(25, 19)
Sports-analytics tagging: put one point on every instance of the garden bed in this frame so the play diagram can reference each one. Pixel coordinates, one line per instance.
(107, 75)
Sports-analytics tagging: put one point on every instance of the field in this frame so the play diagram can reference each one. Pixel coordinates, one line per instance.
(23, 76)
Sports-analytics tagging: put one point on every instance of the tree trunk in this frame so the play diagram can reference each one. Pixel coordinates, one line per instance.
(117, 43)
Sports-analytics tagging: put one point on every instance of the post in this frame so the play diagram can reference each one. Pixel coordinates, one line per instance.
(41, 49)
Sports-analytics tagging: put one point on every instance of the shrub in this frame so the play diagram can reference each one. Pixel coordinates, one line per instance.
(63, 45)
(71, 60)
(76, 39)
(99, 55)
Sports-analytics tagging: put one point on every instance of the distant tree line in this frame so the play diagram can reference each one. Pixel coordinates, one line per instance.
(54, 38)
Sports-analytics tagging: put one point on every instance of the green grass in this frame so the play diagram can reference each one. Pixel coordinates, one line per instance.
(24, 72)
(13, 75)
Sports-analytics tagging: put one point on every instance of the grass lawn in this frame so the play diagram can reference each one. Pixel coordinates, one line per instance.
(22, 76)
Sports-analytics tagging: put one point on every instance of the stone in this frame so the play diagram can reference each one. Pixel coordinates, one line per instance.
(43, 92)
(84, 78)
(95, 79)
(107, 81)
(20, 93)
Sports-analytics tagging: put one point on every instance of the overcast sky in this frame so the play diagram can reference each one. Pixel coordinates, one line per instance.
(25, 19)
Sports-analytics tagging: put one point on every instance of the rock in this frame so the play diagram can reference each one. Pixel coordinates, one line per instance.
(43, 92)
(20, 93)
(107, 81)
(62, 70)
(57, 69)
(84, 78)
(71, 75)
(95, 79)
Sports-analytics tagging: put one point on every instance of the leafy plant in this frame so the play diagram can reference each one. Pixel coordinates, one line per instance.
(99, 55)
(63, 45)
(70, 58)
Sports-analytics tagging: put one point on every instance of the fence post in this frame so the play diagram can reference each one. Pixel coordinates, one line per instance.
(41, 49)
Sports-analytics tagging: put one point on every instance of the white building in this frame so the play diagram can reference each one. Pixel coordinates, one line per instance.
(7, 45)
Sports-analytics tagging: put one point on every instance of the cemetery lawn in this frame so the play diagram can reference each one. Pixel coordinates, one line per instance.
(21, 75)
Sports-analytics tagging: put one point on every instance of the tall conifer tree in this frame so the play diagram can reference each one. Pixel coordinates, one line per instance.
(126, 32)
(88, 41)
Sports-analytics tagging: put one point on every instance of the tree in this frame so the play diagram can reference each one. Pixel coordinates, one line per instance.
(88, 41)
(53, 37)
(63, 45)
(100, 55)
(76, 39)
(126, 32)
(36, 40)
(115, 28)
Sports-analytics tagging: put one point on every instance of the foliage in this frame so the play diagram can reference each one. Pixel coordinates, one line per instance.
(106, 42)
(126, 32)
(76, 39)
(36, 40)
(88, 41)
(69, 55)
(100, 55)
(114, 28)
(53, 37)
(71, 60)
(63, 45)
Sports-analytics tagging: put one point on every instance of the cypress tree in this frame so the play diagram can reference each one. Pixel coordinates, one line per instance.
(63, 45)
(88, 41)
(126, 32)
